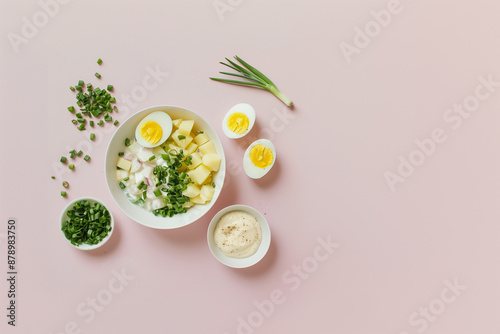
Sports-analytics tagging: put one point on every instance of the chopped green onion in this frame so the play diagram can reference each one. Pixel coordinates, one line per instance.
(63, 159)
(115, 123)
(80, 83)
(97, 75)
(91, 123)
(81, 120)
(92, 136)
(213, 184)
(88, 223)
(53, 177)
(63, 194)
(65, 184)
(78, 88)
(71, 166)
(127, 142)
(81, 127)
(71, 109)
(126, 179)
(80, 153)
(200, 131)
(86, 158)
(72, 153)
(101, 123)
(109, 88)
(78, 115)
(99, 61)
(157, 192)
(122, 185)
(72, 88)
(115, 108)
(255, 77)
(74, 121)
(121, 154)
(181, 137)
(151, 158)
(89, 86)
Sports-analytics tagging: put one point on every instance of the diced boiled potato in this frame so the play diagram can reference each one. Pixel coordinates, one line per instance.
(199, 174)
(207, 192)
(191, 191)
(158, 151)
(207, 148)
(185, 127)
(177, 122)
(191, 148)
(212, 161)
(121, 174)
(135, 147)
(177, 149)
(139, 177)
(136, 166)
(208, 180)
(145, 154)
(195, 160)
(124, 164)
(197, 200)
(147, 172)
(201, 139)
(187, 205)
(182, 143)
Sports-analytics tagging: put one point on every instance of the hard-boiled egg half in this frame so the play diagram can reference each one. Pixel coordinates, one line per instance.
(259, 158)
(238, 121)
(154, 129)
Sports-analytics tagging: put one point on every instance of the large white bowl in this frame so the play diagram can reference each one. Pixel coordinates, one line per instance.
(137, 213)
(246, 261)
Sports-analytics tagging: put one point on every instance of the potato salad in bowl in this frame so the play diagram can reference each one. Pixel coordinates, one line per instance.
(165, 167)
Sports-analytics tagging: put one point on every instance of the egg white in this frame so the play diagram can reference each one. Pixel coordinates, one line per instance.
(250, 169)
(163, 120)
(243, 108)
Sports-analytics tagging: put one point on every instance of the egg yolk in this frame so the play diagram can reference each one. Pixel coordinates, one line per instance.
(238, 123)
(261, 156)
(151, 132)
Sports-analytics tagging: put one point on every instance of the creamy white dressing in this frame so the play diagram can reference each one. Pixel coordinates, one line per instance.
(238, 234)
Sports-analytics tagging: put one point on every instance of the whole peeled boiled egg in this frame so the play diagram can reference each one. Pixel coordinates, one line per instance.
(259, 158)
(154, 129)
(238, 121)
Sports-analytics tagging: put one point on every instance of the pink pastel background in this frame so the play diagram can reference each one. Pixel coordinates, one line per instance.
(397, 252)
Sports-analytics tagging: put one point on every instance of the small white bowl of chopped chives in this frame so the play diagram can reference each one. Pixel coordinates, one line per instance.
(86, 223)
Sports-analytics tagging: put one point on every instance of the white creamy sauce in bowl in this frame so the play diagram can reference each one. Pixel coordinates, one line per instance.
(238, 234)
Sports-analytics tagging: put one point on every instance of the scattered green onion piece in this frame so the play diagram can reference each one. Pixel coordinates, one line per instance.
(255, 77)
(127, 142)
(122, 185)
(89, 86)
(121, 154)
(99, 61)
(71, 109)
(78, 88)
(101, 123)
(74, 121)
(97, 75)
(92, 136)
(151, 158)
(86, 158)
(80, 153)
(65, 184)
(53, 177)
(91, 123)
(63, 159)
(115, 123)
(157, 192)
(126, 179)
(213, 184)
(72, 88)
(72, 154)
(81, 83)
(115, 108)
(81, 127)
(71, 166)
(109, 88)
(63, 194)
(181, 137)
(82, 120)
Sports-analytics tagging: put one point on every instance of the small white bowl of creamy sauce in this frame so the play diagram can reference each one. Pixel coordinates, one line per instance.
(239, 236)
